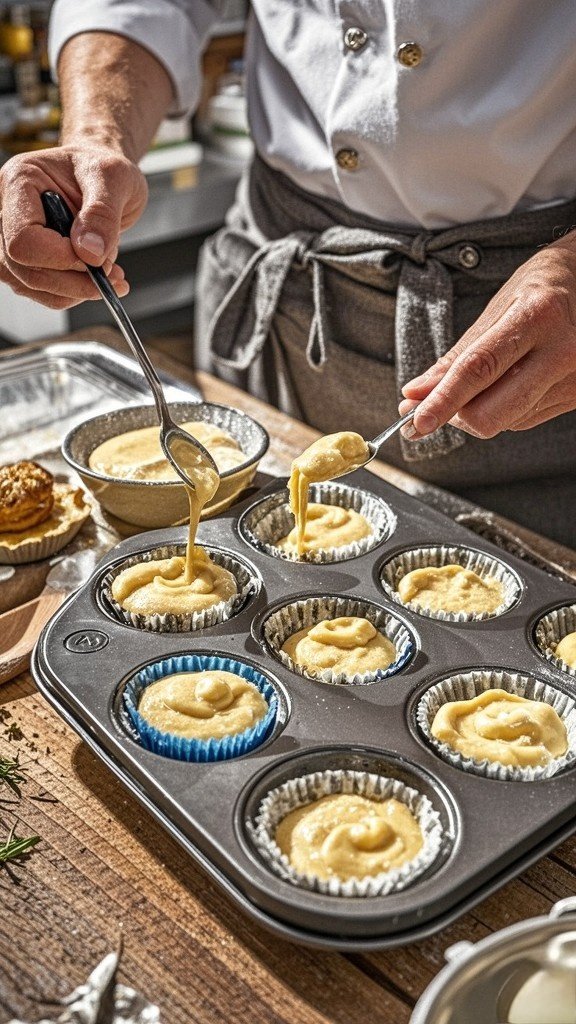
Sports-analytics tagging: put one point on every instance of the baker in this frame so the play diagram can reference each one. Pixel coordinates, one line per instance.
(404, 232)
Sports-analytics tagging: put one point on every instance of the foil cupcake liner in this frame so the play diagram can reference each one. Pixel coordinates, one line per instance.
(551, 629)
(478, 561)
(184, 749)
(30, 550)
(270, 520)
(307, 788)
(185, 623)
(467, 685)
(306, 612)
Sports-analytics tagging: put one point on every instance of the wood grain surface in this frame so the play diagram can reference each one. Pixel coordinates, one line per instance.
(104, 867)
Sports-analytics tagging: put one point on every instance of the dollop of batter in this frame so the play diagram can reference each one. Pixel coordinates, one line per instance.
(137, 454)
(504, 727)
(566, 649)
(328, 457)
(165, 587)
(347, 836)
(451, 588)
(327, 526)
(348, 644)
(202, 705)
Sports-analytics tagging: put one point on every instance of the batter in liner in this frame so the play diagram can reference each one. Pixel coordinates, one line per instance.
(348, 644)
(347, 836)
(451, 588)
(566, 649)
(202, 705)
(504, 727)
(327, 526)
(328, 457)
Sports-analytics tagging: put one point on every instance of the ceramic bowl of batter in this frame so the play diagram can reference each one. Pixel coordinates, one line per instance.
(157, 503)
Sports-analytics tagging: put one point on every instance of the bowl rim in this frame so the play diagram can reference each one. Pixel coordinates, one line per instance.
(84, 470)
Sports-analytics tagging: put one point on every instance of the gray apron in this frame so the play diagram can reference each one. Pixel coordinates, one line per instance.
(326, 313)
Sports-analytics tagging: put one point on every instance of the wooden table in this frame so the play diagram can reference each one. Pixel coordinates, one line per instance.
(103, 867)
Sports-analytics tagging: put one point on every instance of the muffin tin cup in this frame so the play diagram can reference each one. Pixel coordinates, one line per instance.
(290, 618)
(478, 561)
(551, 629)
(270, 520)
(465, 686)
(301, 791)
(192, 621)
(179, 747)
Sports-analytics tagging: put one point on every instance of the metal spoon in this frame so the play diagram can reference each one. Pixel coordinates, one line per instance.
(375, 445)
(182, 450)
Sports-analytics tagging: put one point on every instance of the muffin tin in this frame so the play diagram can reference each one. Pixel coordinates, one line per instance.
(492, 829)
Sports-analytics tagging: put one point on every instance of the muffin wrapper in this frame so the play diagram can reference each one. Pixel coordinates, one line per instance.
(271, 519)
(479, 562)
(304, 790)
(469, 684)
(551, 629)
(170, 622)
(36, 550)
(179, 747)
(289, 619)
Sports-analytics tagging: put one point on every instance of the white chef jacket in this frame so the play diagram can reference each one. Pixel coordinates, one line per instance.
(416, 112)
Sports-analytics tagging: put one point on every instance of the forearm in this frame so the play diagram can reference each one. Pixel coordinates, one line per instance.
(114, 93)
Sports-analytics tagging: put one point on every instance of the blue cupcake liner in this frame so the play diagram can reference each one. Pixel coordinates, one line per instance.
(180, 747)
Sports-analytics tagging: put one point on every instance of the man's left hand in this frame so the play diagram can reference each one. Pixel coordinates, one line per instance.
(516, 365)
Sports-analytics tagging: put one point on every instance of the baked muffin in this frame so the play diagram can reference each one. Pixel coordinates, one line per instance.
(38, 517)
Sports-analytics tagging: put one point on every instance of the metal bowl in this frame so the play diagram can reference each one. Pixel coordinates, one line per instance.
(157, 503)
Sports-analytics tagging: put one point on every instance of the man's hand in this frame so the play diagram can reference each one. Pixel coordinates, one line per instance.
(104, 188)
(516, 366)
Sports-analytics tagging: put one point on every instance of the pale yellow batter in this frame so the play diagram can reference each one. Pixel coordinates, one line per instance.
(327, 526)
(503, 727)
(566, 649)
(179, 585)
(137, 454)
(347, 644)
(328, 457)
(347, 836)
(202, 705)
(451, 588)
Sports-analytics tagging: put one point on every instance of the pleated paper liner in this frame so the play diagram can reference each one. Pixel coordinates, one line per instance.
(181, 748)
(247, 584)
(551, 629)
(270, 519)
(465, 686)
(306, 789)
(486, 566)
(289, 619)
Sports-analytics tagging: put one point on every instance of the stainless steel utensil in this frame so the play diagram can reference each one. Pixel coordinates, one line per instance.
(376, 443)
(181, 449)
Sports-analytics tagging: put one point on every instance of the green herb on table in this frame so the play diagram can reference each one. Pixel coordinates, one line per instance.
(11, 773)
(16, 847)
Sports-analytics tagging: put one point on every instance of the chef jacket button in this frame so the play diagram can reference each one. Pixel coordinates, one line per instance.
(409, 54)
(348, 159)
(355, 38)
(468, 256)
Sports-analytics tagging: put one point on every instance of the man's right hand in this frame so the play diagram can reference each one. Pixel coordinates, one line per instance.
(106, 191)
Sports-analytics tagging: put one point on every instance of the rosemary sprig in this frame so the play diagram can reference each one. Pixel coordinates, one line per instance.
(11, 773)
(16, 846)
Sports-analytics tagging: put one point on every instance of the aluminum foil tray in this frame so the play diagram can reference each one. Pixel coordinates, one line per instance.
(492, 829)
(46, 392)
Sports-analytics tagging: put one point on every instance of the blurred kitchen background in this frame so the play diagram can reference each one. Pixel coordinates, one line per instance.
(192, 170)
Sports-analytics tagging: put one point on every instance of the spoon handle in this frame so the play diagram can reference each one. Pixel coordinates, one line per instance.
(381, 438)
(60, 218)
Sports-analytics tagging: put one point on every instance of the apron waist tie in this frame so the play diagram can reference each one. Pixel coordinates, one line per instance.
(424, 323)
